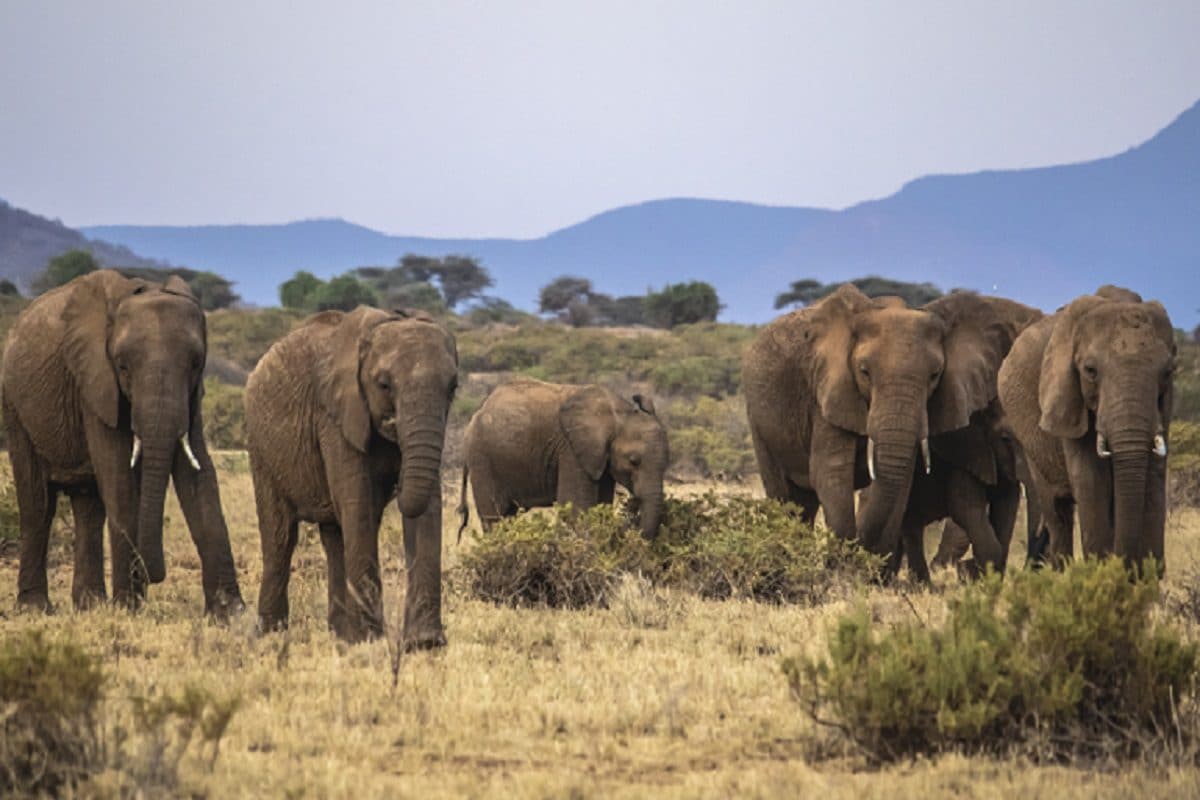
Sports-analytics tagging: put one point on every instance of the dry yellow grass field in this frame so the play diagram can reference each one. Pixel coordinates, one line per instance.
(660, 695)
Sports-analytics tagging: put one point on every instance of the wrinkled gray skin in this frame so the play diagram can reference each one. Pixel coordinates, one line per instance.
(1088, 394)
(343, 414)
(827, 384)
(90, 366)
(534, 444)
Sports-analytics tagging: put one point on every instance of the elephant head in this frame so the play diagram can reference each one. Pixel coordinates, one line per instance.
(136, 351)
(393, 375)
(624, 438)
(1107, 373)
(898, 375)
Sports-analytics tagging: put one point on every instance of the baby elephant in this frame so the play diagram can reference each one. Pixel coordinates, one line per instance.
(533, 444)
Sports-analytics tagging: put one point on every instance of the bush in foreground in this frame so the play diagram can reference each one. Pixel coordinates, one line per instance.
(1055, 665)
(734, 547)
(50, 693)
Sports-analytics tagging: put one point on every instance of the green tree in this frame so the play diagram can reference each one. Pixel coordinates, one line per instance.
(422, 295)
(456, 278)
(345, 292)
(808, 291)
(300, 291)
(8, 288)
(64, 268)
(558, 295)
(682, 304)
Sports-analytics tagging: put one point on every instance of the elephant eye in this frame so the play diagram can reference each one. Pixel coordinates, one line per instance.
(384, 382)
(935, 375)
(635, 459)
(1089, 370)
(863, 369)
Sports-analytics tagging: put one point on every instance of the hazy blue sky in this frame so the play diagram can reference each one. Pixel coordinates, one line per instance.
(514, 118)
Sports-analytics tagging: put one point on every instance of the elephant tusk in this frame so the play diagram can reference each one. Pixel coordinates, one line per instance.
(137, 452)
(187, 449)
(1102, 446)
(871, 457)
(925, 455)
(1160, 446)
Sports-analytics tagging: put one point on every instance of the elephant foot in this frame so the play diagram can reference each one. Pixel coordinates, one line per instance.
(87, 599)
(35, 602)
(129, 599)
(225, 605)
(270, 624)
(431, 640)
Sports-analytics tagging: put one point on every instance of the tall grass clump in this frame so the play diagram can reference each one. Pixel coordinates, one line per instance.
(1053, 665)
(733, 547)
(50, 697)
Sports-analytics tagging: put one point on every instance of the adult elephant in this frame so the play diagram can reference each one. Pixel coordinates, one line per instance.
(1088, 393)
(534, 444)
(343, 414)
(102, 383)
(845, 393)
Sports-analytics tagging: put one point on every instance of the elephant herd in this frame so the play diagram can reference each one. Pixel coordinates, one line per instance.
(941, 412)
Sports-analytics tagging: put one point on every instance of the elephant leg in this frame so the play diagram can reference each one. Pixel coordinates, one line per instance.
(87, 581)
(358, 505)
(606, 490)
(108, 450)
(831, 467)
(1092, 487)
(200, 498)
(278, 528)
(335, 560)
(913, 534)
(423, 567)
(953, 545)
(1060, 524)
(806, 500)
(574, 485)
(1004, 503)
(967, 502)
(35, 511)
(490, 505)
(773, 476)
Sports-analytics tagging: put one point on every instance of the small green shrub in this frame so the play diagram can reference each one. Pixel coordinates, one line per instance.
(712, 546)
(10, 522)
(224, 415)
(1057, 665)
(709, 438)
(50, 696)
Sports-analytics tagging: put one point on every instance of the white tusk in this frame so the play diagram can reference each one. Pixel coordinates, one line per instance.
(137, 452)
(925, 455)
(187, 449)
(871, 457)
(1102, 446)
(1160, 446)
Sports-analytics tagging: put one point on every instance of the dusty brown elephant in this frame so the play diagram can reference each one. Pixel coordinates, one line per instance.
(845, 393)
(342, 414)
(534, 444)
(102, 384)
(1088, 393)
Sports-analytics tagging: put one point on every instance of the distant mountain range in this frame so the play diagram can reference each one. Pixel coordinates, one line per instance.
(1039, 235)
(28, 241)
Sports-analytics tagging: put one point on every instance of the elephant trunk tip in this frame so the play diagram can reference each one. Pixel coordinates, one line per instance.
(413, 504)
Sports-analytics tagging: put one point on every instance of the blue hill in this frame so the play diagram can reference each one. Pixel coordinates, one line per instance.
(1040, 235)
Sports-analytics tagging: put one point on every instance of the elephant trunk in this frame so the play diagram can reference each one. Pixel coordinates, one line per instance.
(159, 440)
(650, 498)
(894, 437)
(1131, 462)
(421, 439)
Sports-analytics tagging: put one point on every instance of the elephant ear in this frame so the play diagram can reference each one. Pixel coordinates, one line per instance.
(588, 419)
(178, 286)
(339, 389)
(979, 333)
(87, 317)
(830, 332)
(1060, 395)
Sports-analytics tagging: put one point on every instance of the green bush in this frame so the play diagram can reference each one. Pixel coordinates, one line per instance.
(1055, 664)
(10, 521)
(732, 547)
(709, 438)
(50, 696)
(243, 336)
(224, 415)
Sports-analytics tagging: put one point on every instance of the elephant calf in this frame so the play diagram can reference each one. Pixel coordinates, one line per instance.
(338, 413)
(534, 444)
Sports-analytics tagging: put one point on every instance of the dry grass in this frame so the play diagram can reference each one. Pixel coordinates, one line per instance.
(661, 692)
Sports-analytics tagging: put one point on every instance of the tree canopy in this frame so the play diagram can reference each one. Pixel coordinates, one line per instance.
(682, 304)
(65, 268)
(808, 291)
(212, 291)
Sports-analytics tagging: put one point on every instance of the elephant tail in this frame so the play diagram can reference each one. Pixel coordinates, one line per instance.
(464, 514)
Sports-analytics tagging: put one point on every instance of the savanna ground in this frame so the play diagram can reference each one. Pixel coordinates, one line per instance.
(660, 693)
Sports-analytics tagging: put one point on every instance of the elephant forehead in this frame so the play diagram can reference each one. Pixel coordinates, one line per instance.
(891, 321)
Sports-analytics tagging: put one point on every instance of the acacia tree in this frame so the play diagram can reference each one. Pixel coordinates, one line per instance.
(63, 268)
(682, 304)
